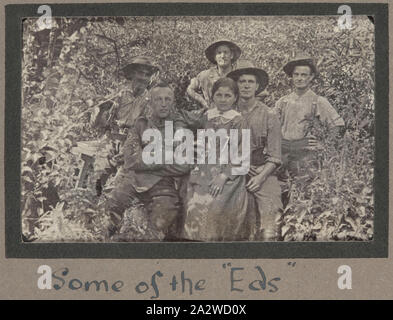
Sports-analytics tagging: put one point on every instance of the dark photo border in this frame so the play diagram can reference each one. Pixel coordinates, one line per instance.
(15, 248)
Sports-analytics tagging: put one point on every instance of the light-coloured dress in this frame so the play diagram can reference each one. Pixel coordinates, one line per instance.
(225, 217)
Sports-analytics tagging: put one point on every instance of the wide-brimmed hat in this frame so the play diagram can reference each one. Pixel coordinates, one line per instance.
(210, 52)
(300, 59)
(247, 67)
(139, 61)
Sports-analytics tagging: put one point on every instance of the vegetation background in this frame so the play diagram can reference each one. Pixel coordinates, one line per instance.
(69, 69)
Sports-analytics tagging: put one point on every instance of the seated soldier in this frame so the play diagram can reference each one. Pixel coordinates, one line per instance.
(152, 186)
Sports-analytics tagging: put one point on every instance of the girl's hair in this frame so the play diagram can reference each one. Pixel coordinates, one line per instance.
(228, 83)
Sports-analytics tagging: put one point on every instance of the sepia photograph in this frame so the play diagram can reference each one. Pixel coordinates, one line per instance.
(197, 129)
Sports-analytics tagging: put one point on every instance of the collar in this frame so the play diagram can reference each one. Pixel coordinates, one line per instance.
(127, 90)
(308, 93)
(213, 71)
(256, 105)
(229, 115)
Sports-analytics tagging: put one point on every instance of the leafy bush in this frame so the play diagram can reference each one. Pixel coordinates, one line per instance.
(77, 64)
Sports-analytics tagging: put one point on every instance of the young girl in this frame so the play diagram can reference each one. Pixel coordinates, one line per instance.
(216, 204)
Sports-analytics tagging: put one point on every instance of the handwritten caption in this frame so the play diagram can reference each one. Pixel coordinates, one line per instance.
(152, 286)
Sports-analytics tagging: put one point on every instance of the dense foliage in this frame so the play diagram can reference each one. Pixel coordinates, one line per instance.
(72, 67)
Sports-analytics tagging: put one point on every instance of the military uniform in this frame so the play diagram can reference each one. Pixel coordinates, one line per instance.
(118, 115)
(295, 112)
(153, 185)
(265, 147)
(204, 81)
(117, 121)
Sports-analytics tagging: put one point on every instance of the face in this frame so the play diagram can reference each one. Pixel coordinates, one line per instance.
(302, 77)
(248, 86)
(223, 56)
(162, 102)
(141, 77)
(224, 98)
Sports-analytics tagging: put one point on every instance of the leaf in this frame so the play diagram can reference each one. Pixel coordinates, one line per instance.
(26, 169)
(41, 199)
(27, 179)
(285, 229)
(302, 215)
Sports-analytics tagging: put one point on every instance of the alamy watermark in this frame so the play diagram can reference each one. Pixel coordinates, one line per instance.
(180, 147)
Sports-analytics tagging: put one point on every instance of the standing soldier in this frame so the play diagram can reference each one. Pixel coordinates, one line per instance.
(223, 54)
(297, 111)
(265, 148)
(117, 115)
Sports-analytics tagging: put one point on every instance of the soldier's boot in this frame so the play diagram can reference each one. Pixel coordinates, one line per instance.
(268, 235)
(116, 203)
(135, 225)
(113, 227)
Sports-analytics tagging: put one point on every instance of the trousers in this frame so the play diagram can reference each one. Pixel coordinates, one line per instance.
(267, 201)
(161, 202)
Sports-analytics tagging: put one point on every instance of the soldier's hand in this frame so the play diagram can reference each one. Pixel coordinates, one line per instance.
(119, 158)
(255, 183)
(313, 144)
(255, 170)
(205, 105)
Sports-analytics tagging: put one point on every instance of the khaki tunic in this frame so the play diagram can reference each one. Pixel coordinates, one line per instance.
(294, 110)
(204, 81)
(130, 108)
(153, 185)
(265, 147)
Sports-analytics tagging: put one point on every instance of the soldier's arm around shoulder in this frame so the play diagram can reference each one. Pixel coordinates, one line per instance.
(274, 139)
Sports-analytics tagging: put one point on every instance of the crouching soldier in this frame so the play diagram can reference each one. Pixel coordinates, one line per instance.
(151, 187)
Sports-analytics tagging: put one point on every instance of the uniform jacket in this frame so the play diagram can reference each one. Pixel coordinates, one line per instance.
(145, 176)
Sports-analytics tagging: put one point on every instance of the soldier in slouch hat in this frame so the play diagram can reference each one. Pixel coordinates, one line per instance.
(298, 110)
(264, 127)
(117, 114)
(223, 54)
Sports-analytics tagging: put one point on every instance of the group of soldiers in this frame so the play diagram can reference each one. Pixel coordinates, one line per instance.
(280, 139)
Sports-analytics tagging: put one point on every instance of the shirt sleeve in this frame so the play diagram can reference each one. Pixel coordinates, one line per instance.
(327, 113)
(195, 84)
(273, 147)
(278, 110)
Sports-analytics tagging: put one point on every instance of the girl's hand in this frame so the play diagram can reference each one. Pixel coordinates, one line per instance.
(217, 185)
